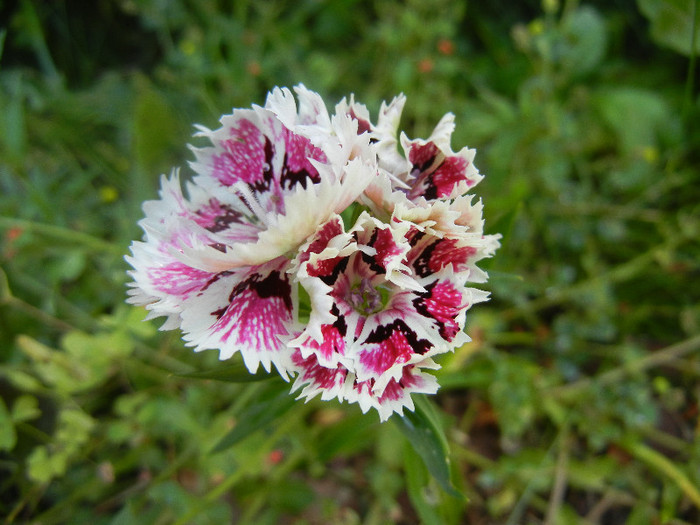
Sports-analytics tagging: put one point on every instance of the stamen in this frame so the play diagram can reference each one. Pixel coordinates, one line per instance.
(365, 298)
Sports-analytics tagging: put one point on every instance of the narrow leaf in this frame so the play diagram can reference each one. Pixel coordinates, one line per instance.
(423, 430)
(8, 436)
(416, 479)
(233, 373)
(257, 416)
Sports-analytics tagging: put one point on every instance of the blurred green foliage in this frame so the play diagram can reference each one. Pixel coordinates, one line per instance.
(576, 402)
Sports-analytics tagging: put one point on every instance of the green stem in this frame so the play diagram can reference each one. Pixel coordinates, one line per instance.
(240, 473)
(690, 80)
(624, 212)
(60, 233)
(76, 317)
(656, 358)
(3, 34)
(619, 273)
(35, 493)
(37, 313)
(556, 497)
(35, 32)
(661, 463)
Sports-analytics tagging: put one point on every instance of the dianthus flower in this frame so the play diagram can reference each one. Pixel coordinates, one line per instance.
(259, 238)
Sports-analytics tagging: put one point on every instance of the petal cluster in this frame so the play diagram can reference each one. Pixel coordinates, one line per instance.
(332, 248)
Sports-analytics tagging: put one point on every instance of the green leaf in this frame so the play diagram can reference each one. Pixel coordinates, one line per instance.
(5, 293)
(513, 395)
(25, 408)
(672, 24)
(348, 436)
(271, 405)
(423, 430)
(8, 436)
(67, 445)
(503, 226)
(416, 481)
(233, 373)
(155, 126)
(585, 40)
(635, 115)
(3, 34)
(13, 128)
(40, 467)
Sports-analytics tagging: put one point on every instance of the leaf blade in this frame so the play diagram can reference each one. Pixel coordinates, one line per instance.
(232, 373)
(256, 416)
(424, 432)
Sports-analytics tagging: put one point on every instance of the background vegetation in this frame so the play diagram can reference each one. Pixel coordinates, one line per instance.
(576, 402)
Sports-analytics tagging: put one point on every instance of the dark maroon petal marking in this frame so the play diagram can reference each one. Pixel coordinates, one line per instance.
(326, 268)
(422, 157)
(370, 260)
(214, 279)
(274, 285)
(441, 302)
(396, 343)
(328, 231)
(319, 376)
(329, 275)
(339, 323)
(441, 182)
(267, 176)
(297, 168)
(438, 254)
(271, 286)
(383, 332)
(383, 241)
(333, 342)
(362, 125)
(414, 236)
(436, 175)
(217, 217)
(218, 246)
(256, 313)
(395, 390)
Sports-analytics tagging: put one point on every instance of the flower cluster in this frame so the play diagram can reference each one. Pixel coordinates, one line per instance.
(325, 245)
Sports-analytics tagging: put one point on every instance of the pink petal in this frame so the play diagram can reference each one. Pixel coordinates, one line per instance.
(329, 382)
(387, 346)
(248, 310)
(246, 156)
(395, 396)
(331, 347)
(297, 167)
(444, 303)
(431, 254)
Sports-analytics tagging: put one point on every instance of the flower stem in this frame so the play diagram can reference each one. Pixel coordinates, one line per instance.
(661, 463)
(690, 80)
(60, 233)
(657, 358)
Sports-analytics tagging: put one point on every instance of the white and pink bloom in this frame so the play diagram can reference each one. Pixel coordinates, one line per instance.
(256, 258)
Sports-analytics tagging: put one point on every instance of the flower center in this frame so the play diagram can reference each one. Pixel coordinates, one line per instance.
(367, 299)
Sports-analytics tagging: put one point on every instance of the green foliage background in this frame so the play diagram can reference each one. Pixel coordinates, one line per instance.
(576, 402)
